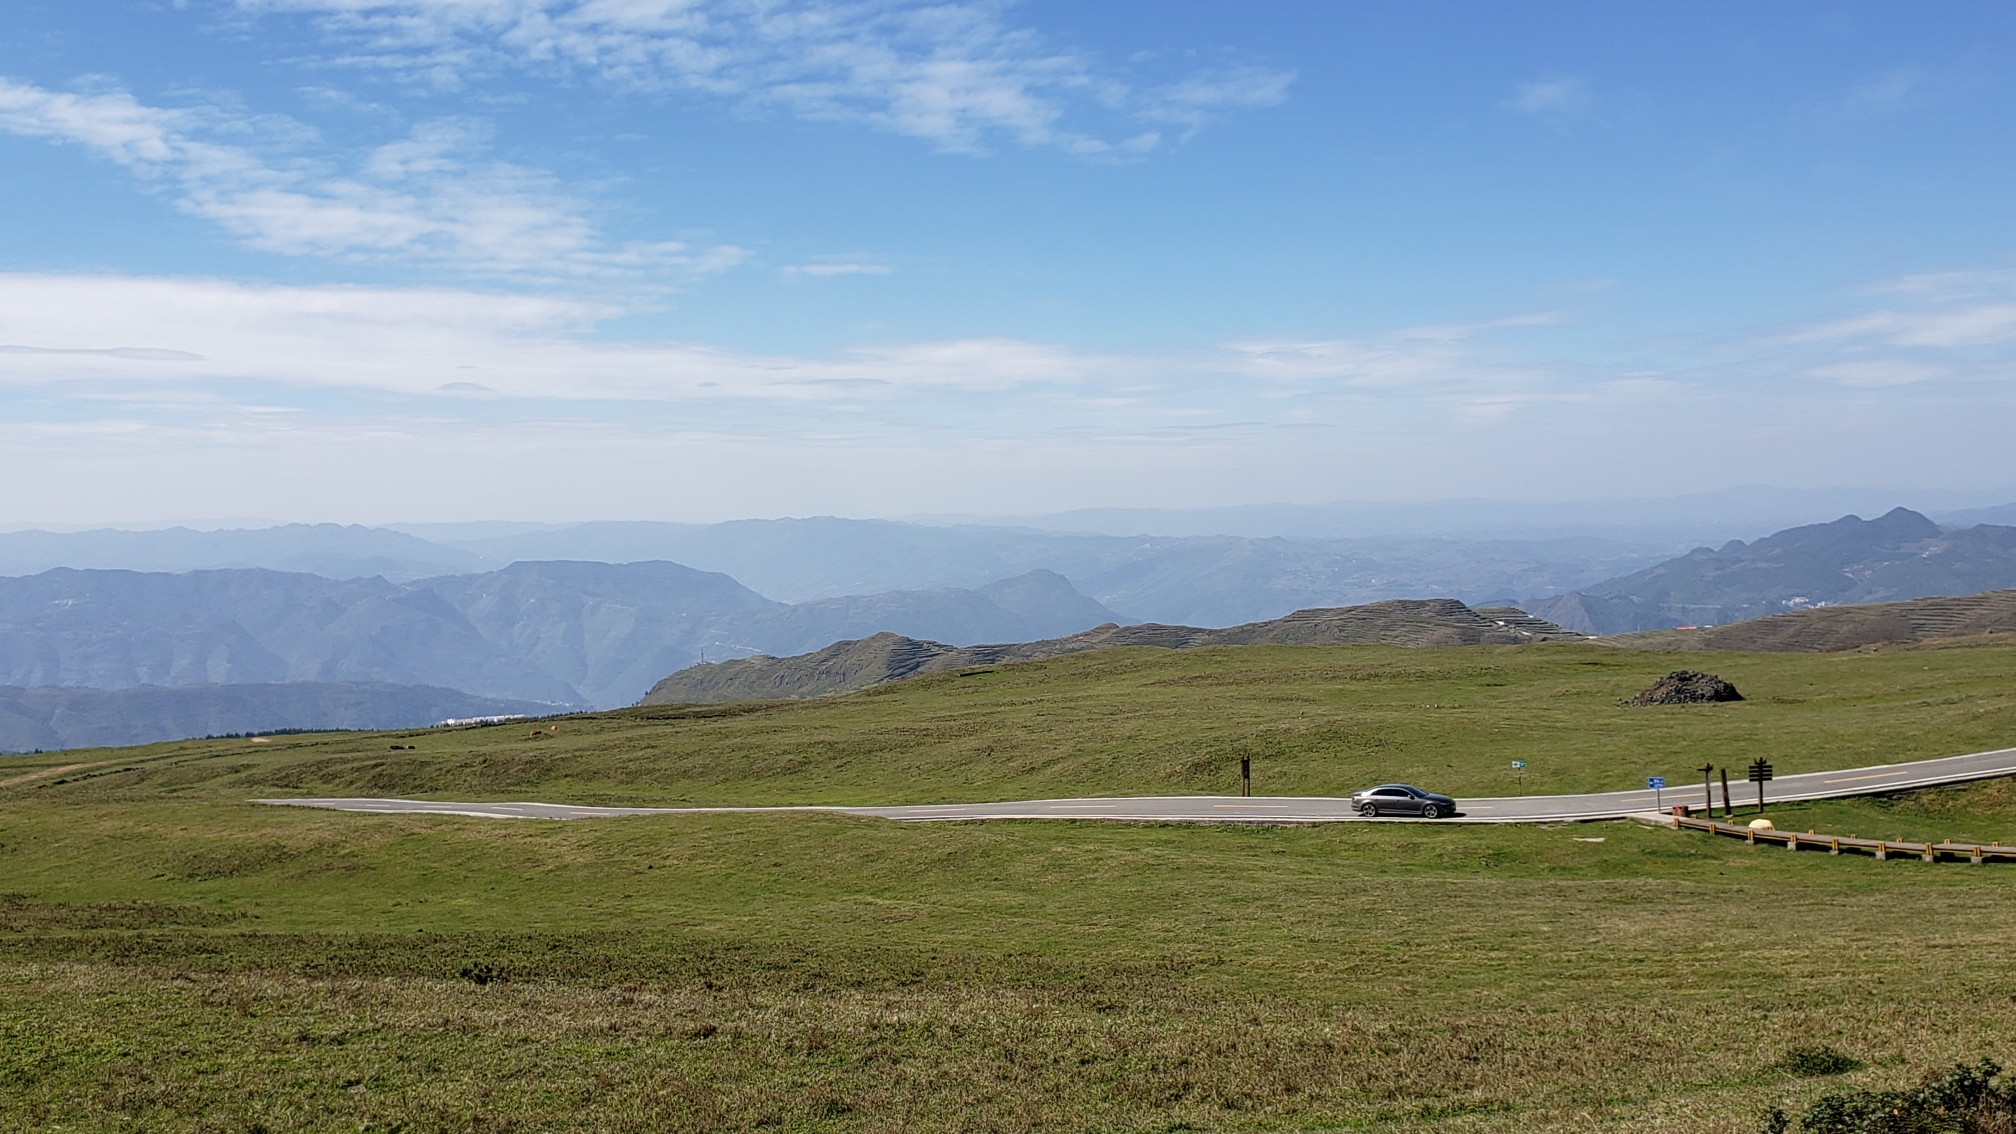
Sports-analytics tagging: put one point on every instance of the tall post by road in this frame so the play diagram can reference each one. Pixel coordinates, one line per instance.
(1760, 774)
(1245, 775)
(1707, 788)
(1728, 808)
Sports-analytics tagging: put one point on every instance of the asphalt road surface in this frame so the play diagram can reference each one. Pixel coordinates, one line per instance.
(1876, 780)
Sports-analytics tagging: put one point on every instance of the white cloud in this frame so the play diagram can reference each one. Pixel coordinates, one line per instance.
(128, 398)
(1885, 91)
(1438, 356)
(1875, 373)
(951, 73)
(838, 268)
(418, 342)
(431, 196)
(1199, 99)
(1976, 324)
(1556, 94)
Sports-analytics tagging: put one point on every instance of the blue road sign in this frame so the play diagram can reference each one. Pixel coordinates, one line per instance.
(1518, 764)
(1655, 782)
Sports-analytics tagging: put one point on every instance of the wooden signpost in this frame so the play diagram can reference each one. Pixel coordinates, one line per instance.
(1245, 775)
(1760, 774)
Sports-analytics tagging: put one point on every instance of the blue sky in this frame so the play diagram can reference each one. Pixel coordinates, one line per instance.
(550, 259)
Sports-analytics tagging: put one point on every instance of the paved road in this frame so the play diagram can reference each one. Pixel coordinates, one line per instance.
(1278, 809)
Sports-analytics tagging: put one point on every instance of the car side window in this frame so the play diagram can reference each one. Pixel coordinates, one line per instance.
(1389, 792)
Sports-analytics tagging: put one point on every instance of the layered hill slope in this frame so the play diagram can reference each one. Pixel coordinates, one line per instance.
(50, 719)
(1900, 555)
(566, 634)
(1844, 627)
(850, 665)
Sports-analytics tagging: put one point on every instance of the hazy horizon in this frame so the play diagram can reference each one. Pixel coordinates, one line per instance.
(1757, 509)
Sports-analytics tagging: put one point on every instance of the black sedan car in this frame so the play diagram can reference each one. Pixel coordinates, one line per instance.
(1402, 799)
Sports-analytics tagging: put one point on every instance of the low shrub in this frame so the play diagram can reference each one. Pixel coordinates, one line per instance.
(1962, 1100)
(1813, 1062)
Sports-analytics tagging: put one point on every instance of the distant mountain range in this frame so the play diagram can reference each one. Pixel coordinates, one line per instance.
(1207, 567)
(562, 634)
(1203, 580)
(846, 666)
(1899, 555)
(334, 551)
(1694, 518)
(49, 719)
(593, 615)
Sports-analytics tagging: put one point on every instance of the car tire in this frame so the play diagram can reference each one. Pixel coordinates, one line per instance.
(1430, 811)
(1369, 810)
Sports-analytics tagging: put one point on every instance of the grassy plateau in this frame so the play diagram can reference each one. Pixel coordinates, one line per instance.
(173, 957)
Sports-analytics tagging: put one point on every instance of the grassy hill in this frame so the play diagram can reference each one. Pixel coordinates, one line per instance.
(1844, 627)
(882, 658)
(173, 958)
(1315, 721)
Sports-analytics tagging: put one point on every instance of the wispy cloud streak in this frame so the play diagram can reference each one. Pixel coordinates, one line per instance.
(431, 196)
(954, 74)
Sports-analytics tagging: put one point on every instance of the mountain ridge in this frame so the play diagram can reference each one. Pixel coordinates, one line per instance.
(850, 665)
(565, 633)
(1899, 555)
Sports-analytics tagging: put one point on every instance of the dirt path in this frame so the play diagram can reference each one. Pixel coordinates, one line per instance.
(49, 772)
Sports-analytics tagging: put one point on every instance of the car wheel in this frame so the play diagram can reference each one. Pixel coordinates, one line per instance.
(1369, 810)
(1430, 811)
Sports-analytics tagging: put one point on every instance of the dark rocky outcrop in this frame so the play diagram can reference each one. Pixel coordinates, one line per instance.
(1687, 687)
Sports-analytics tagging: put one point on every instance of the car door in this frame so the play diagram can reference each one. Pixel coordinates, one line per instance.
(1397, 801)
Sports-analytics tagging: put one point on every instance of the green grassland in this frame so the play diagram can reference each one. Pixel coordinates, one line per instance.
(174, 958)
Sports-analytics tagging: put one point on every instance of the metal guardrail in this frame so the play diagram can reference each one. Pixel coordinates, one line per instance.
(1838, 844)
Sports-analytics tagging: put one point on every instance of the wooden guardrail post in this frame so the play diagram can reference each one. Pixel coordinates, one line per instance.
(1834, 846)
(1882, 851)
(1975, 858)
(1931, 853)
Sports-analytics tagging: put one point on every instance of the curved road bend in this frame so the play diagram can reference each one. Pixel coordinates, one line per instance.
(1875, 780)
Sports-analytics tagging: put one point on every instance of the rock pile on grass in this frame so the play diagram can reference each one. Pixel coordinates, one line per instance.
(1687, 687)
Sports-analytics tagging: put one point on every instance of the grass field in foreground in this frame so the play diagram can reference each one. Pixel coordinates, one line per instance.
(172, 958)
